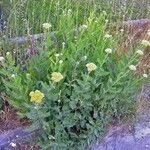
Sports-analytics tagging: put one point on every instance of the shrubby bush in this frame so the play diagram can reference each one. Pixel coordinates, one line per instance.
(72, 89)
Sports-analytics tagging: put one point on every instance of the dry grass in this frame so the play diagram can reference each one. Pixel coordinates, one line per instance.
(137, 31)
(9, 119)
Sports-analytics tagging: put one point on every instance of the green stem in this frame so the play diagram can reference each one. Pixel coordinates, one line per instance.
(104, 60)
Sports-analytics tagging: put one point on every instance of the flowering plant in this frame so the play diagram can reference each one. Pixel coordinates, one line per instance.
(82, 86)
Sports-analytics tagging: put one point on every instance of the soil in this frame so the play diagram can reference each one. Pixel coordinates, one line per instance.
(9, 120)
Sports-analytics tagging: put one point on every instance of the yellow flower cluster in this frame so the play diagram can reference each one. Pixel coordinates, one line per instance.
(132, 67)
(108, 50)
(91, 67)
(47, 26)
(145, 43)
(140, 52)
(36, 96)
(2, 59)
(145, 75)
(56, 76)
(108, 36)
(148, 33)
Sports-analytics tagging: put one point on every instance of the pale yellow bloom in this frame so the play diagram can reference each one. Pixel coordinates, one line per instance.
(84, 58)
(148, 33)
(104, 12)
(57, 55)
(139, 52)
(56, 76)
(83, 27)
(132, 67)
(121, 30)
(47, 25)
(36, 96)
(60, 61)
(108, 50)
(8, 53)
(91, 67)
(13, 76)
(63, 45)
(77, 63)
(2, 59)
(106, 20)
(145, 43)
(108, 36)
(13, 144)
(28, 75)
(145, 75)
(69, 11)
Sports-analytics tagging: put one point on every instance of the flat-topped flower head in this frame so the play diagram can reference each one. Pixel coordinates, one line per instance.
(69, 11)
(140, 52)
(60, 61)
(148, 33)
(47, 26)
(36, 96)
(2, 59)
(13, 76)
(145, 43)
(121, 30)
(56, 76)
(13, 144)
(132, 67)
(84, 58)
(104, 12)
(108, 36)
(57, 55)
(28, 75)
(108, 50)
(91, 67)
(63, 45)
(145, 75)
(8, 53)
(106, 20)
(84, 26)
